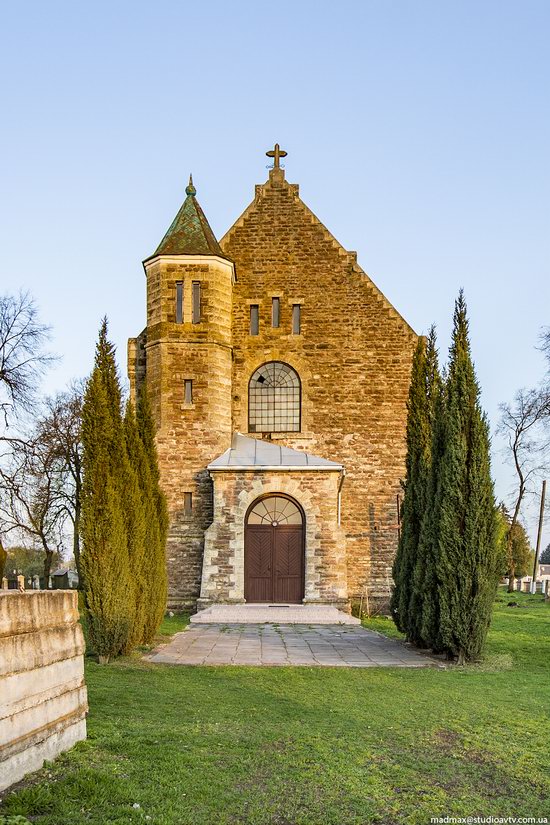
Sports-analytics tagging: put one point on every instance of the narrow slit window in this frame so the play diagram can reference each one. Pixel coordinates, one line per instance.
(254, 319)
(188, 503)
(196, 302)
(296, 319)
(179, 302)
(188, 391)
(275, 312)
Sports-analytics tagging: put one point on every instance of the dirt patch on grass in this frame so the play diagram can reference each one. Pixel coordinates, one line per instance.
(477, 769)
(447, 740)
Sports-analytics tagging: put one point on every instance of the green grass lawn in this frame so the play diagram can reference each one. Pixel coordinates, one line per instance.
(290, 746)
(172, 624)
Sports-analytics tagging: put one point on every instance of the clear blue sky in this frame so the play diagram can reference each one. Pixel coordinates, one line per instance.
(419, 133)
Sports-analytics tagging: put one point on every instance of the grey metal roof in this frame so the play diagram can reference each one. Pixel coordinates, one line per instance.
(248, 453)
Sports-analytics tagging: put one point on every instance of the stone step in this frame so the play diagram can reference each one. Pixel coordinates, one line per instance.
(273, 614)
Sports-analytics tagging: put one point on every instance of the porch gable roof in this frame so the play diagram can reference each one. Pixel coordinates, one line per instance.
(254, 454)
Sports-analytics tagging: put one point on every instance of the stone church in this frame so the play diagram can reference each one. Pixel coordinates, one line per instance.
(279, 376)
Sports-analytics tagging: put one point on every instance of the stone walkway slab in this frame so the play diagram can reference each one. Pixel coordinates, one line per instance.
(275, 646)
(310, 614)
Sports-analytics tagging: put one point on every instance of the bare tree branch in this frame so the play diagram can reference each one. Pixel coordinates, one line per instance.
(525, 423)
(545, 345)
(32, 504)
(23, 358)
(59, 432)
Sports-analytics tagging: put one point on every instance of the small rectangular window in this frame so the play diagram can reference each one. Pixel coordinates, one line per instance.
(196, 302)
(187, 503)
(254, 319)
(188, 391)
(296, 319)
(179, 302)
(275, 312)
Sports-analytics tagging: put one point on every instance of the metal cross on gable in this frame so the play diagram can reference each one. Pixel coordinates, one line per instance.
(276, 153)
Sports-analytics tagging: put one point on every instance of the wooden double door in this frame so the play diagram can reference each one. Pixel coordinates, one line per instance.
(274, 551)
(274, 556)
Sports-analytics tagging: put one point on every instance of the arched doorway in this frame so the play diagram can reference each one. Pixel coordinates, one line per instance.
(274, 551)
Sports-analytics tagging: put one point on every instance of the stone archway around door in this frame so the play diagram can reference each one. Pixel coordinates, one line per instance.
(274, 551)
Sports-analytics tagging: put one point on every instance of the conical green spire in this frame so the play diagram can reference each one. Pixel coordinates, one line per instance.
(190, 232)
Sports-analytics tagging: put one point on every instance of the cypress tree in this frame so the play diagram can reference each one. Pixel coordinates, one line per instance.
(428, 405)
(157, 521)
(105, 363)
(137, 515)
(417, 460)
(124, 514)
(463, 524)
(426, 615)
(105, 559)
(125, 477)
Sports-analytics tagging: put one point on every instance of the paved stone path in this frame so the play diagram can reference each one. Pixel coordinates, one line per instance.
(313, 645)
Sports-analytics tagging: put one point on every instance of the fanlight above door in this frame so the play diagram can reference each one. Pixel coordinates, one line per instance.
(275, 510)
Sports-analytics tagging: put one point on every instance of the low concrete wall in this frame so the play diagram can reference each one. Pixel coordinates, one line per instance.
(43, 699)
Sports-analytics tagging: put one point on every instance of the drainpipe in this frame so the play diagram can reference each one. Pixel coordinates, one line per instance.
(340, 484)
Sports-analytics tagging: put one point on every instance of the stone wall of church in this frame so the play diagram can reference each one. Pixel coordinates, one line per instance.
(325, 552)
(353, 356)
(189, 435)
(137, 363)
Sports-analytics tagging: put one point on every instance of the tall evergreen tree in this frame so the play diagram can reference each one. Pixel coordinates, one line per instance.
(138, 515)
(105, 561)
(426, 613)
(463, 523)
(424, 385)
(124, 514)
(124, 457)
(105, 363)
(432, 398)
(156, 582)
(403, 564)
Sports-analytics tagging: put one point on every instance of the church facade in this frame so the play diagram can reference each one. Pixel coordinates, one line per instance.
(279, 376)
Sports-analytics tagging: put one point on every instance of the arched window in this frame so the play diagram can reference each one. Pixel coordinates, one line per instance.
(274, 399)
(275, 510)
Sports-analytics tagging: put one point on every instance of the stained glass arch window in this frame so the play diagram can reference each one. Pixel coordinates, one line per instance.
(274, 399)
(275, 510)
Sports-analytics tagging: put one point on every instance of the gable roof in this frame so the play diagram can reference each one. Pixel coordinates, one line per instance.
(189, 233)
(252, 453)
(276, 180)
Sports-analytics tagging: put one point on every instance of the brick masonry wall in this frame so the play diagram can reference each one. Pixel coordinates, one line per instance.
(43, 700)
(353, 357)
(325, 554)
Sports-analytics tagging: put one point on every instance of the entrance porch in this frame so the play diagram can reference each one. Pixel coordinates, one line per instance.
(275, 536)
